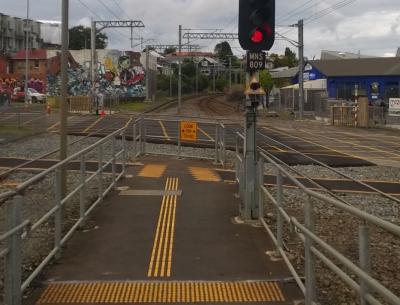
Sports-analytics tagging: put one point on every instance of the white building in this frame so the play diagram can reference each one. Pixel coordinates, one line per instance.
(50, 32)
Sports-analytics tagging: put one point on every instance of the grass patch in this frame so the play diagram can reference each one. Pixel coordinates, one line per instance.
(135, 106)
(15, 131)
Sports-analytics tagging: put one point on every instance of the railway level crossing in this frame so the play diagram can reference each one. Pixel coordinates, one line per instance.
(168, 235)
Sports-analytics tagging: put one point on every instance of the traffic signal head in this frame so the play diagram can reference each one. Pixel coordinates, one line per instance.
(256, 24)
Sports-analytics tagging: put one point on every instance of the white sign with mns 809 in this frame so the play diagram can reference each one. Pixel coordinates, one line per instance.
(255, 61)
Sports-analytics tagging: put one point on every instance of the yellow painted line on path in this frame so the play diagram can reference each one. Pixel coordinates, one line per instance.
(93, 124)
(33, 120)
(127, 123)
(53, 126)
(205, 133)
(204, 174)
(352, 143)
(161, 292)
(161, 256)
(308, 141)
(152, 171)
(164, 130)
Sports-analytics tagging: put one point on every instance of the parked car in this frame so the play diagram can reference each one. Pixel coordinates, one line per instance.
(33, 96)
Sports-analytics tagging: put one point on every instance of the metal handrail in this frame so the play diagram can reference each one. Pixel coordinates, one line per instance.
(306, 233)
(388, 196)
(392, 228)
(23, 186)
(16, 225)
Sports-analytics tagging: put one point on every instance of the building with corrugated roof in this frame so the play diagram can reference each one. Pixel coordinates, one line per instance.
(376, 78)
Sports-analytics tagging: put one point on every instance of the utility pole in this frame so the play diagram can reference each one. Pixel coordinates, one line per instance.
(64, 93)
(214, 70)
(93, 55)
(171, 73)
(301, 69)
(27, 33)
(197, 78)
(230, 74)
(147, 74)
(180, 72)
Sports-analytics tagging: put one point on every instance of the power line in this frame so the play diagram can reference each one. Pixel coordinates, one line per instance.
(108, 9)
(297, 10)
(121, 9)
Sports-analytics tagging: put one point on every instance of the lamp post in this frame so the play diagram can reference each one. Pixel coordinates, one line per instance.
(26, 52)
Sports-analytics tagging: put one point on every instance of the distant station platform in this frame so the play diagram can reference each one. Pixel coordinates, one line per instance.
(168, 234)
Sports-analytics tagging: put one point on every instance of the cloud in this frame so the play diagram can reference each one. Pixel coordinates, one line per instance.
(371, 26)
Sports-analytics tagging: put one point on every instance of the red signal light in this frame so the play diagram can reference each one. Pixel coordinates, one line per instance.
(257, 36)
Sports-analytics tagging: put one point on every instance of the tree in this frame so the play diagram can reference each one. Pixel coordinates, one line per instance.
(266, 81)
(223, 51)
(287, 60)
(80, 38)
(169, 50)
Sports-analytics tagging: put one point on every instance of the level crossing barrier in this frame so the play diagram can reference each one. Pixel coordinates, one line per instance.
(215, 140)
(370, 290)
(19, 229)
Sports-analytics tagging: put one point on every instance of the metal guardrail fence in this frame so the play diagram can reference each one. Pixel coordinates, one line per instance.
(141, 137)
(315, 248)
(19, 229)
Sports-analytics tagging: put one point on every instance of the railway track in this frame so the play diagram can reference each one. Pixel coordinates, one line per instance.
(312, 180)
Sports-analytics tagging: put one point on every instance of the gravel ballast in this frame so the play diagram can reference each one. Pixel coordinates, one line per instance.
(338, 228)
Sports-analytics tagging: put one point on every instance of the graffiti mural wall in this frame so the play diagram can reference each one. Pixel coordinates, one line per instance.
(118, 72)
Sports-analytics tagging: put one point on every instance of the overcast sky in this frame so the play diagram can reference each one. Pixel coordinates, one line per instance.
(369, 26)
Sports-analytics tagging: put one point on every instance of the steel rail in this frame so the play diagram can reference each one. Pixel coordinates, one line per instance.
(308, 178)
(390, 227)
(333, 170)
(8, 172)
(23, 186)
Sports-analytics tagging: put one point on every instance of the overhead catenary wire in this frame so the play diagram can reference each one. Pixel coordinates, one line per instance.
(100, 18)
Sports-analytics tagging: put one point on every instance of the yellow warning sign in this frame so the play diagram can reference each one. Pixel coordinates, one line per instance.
(188, 131)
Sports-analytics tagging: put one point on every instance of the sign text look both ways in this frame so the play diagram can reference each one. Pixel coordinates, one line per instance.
(256, 61)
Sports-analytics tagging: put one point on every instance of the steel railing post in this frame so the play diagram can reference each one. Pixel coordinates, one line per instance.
(237, 159)
(114, 159)
(224, 144)
(216, 144)
(144, 142)
(13, 260)
(365, 262)
(309, 258)
(140, 137)
(82, 192)
(260, 183)
(100, 171)
(58, 215)
(124, 154)
(134, 138)
(179, 139)
(279, 217)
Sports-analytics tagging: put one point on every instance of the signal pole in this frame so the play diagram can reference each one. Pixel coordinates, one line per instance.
(93, 54)
(180, 72)
(27, 33)
(64, 93)
(230, 74)
(301, 69)
(147, 74)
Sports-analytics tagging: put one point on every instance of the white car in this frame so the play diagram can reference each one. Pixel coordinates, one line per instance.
(35, 96)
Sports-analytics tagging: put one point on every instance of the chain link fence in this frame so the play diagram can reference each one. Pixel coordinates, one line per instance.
(317, 104)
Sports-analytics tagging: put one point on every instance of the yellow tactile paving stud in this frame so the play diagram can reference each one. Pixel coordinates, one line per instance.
(161, 256)
(152, 171)
(204, 174)
(162, 292)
